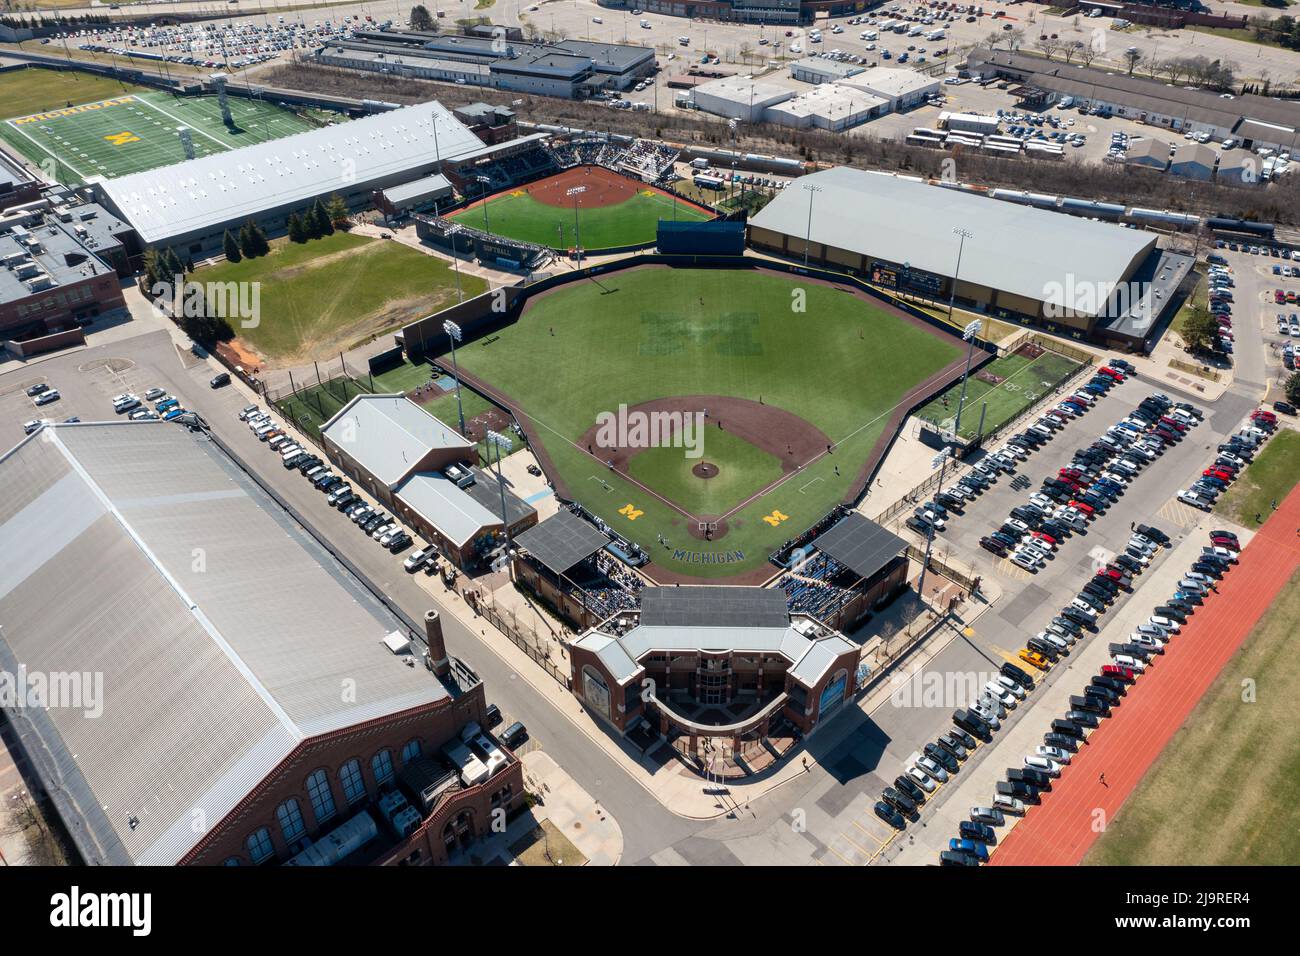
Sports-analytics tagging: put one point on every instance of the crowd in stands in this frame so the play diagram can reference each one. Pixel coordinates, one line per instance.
(618, 592)
(508, 171)
(811, 586)
(588, 152)
(649, 160)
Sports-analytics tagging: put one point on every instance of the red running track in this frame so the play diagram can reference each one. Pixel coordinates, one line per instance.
(1060, 831)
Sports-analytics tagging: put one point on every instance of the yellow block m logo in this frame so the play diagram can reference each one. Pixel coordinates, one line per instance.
(775, 518)
(630, 512)
(121, 139)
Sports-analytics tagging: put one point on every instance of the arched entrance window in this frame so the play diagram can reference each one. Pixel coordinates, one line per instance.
(595, 691)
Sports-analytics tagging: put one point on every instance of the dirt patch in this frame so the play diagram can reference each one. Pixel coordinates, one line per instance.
(986, 376)
(708, 530)
(705, 470)
(1030, 350)
(493, 419)
(238, 352)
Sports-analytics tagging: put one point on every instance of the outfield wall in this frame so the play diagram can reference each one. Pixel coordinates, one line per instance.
(494, 310)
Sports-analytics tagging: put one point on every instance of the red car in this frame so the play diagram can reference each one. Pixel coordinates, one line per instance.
(1044, 536)
(1114, 373)
(1109, 573)
(1173, 424)
(1116, 670)
(1279, 297)
(1218, 473)
(1085, 508)
(1263, 416)
(1223, 541)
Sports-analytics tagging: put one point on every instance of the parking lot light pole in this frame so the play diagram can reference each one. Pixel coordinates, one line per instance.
(813, 190)
(970, 334)
(497, 442)
(939, 461)
(575, 192)
(454, 333)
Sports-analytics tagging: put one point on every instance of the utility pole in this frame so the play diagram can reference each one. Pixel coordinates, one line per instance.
(939, 461)
(575, 192)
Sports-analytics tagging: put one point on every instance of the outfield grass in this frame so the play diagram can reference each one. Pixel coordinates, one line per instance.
(643, 334)
(325, 295)
(633, 222)
(1025, 381)
(117, 132)
(1269, 478)
(1222, 793)
(35, 90)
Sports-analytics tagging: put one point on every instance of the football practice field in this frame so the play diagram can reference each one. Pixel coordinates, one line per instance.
(139, 130)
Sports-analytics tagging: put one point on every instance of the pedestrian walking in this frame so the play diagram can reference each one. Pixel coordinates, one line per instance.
(1103, 780)
(1274, 504)
(837, 469)
(1132, 525)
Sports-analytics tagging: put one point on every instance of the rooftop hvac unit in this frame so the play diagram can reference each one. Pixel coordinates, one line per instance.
(41, 283)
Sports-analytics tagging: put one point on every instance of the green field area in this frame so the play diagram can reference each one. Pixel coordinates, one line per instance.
(1222, 793)
(668, 471)
(37, 91)
(1024, 382)
(322, 296)
(643, 334)
(127, 132)
(312, 407)
(633, 222)
(1269, 478)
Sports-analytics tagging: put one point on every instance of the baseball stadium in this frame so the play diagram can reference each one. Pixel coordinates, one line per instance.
(611, 211)
(808, 381)
(140, 131)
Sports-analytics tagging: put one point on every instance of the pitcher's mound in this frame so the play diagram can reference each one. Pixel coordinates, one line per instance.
(705, 469)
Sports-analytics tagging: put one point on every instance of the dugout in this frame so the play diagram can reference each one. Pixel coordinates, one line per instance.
(715, 238)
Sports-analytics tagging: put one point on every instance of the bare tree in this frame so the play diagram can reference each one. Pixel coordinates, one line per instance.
(1047, 45)
(1015, 39)
(1152, 66)
(1132, 57)
(992, 40)
(1088, 53)
(1071, 50)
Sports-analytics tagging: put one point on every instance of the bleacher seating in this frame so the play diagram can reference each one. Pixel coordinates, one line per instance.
(649, 160)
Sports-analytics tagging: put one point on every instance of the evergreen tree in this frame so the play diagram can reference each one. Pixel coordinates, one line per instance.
(152, 266)
(246, 242)
(231, 248)
(323, 225)
(297, 232)
(259, 238)
(337, 210)
(420, 19)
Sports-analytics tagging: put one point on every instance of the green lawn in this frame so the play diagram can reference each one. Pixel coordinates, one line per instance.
(1222, 793)
(1269, 478)
(742, 470)
(1025, 381)
(126, 130)
(643, 334)
(312, 407)
(34, 90)
(634, 222)
(326, 295)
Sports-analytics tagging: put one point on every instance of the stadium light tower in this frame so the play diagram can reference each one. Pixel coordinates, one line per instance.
(939, 461)
(498, 442)
(452, 233)
(963, 235)
(455, 334)
(813, 190)
(970, 334)
(485, 182)
(575, 192)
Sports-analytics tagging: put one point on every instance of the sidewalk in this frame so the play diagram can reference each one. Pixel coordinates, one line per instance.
(563, 808)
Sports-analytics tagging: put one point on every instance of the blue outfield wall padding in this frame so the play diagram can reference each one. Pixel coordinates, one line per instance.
(716, 237)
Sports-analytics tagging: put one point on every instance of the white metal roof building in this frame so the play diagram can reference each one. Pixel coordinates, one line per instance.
(817, 69)
(900, 88)
(189, 205)
(829, 106)
(222, 630)
(738, 97)
(392, 436)
(1018, 259)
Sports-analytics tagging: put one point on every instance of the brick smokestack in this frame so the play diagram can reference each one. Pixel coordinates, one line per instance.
(436, 659)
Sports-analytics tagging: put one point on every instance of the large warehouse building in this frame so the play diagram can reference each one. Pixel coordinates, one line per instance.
(189, 205)
(224, 690)
(1070, 275)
